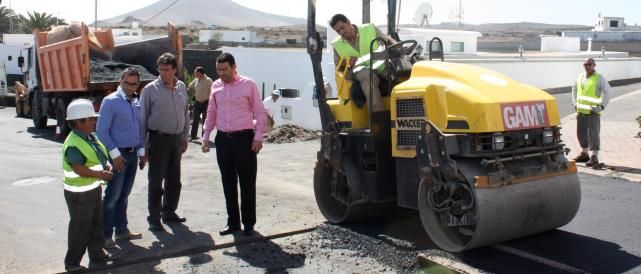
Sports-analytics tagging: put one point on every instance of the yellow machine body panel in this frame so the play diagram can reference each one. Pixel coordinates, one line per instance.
(462, 98)
(344, 109)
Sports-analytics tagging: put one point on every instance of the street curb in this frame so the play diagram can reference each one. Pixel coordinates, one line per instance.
(620, 174)
(194, 250)
(431, 263)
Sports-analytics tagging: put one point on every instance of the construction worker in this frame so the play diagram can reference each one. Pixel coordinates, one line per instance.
(200, 88)
(354, 42)
(590, 96)
(85, 161)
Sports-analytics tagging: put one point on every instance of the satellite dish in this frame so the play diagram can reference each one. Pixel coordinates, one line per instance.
(423, 14)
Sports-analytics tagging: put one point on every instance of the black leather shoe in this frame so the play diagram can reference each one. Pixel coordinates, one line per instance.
(74, 268)
(593, 161)
(174, 219)
(249, 231)
(229, 230)
(156, 227)
(101, 258)
(582, 158)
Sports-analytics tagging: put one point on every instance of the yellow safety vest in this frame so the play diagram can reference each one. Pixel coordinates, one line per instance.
(586, 96)
(72, 181)
(366, 34)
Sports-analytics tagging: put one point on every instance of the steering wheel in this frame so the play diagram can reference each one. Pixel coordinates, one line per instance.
(401, 48)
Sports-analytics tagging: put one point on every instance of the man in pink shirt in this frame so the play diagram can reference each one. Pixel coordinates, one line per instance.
(234, 104)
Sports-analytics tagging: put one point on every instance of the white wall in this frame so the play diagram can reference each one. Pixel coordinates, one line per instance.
(546, 74)
(560, 44)
(302, 110)
(229, 36)
(284, 68)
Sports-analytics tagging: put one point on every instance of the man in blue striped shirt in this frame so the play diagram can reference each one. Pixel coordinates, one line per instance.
(119, 130)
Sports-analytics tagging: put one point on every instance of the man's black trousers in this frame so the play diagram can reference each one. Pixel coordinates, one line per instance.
(200, 108)
(165, 154)
(237, 163)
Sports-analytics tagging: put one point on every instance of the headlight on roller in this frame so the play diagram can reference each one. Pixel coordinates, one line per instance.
(548, 136)
(498, 142)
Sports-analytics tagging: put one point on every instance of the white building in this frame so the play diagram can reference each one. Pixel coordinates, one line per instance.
(455, 42)
(607, 29)
(122, 36)
(609, 24)
(241, 36)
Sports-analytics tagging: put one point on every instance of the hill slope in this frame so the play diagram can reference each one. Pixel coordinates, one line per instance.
(207, 12)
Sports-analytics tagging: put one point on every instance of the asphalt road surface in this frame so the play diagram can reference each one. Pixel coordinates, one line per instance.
(604, 237)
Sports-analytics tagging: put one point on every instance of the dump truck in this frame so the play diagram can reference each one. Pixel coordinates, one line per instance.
(57, 72)
(477, 154)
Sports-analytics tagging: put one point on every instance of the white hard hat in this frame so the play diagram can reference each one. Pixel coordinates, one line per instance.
(276, 92)
(80, 108)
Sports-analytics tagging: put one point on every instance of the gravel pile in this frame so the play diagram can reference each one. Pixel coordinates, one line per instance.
(109, 71)
(403, 261)
(290, 134)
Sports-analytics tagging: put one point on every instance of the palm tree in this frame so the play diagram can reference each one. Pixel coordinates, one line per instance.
(7, 17)
(36, 20)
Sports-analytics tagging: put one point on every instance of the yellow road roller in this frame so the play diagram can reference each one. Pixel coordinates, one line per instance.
(478, 154)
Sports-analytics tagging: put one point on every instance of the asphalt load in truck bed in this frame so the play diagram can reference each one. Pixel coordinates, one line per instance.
(109, 71)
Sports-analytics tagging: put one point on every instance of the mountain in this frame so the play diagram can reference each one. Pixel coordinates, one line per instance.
(208, 12)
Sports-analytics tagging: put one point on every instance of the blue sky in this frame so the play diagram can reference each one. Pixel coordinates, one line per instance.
(582, 12)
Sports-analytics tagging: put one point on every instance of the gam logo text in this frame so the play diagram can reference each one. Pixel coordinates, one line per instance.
(524, 115)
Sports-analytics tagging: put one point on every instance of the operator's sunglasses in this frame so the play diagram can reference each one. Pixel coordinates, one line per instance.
(588, 64)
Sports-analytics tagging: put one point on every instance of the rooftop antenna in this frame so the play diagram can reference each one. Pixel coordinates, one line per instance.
(457, 14)
(423, 14)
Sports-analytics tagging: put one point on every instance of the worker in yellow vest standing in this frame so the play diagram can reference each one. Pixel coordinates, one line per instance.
(86, 166)
(354, 42)
(590, 96)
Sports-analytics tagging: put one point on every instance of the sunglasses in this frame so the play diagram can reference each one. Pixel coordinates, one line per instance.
(588, 65)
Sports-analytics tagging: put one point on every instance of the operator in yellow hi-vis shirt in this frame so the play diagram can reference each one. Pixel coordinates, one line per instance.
(354, 43)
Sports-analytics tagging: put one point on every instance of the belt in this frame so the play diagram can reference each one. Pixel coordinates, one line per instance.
(127, 149)
(237, 133)
(163, 134)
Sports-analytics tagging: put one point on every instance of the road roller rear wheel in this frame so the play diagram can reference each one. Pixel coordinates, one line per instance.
(334, 197)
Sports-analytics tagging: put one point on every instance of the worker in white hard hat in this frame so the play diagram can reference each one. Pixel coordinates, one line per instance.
(86, 166)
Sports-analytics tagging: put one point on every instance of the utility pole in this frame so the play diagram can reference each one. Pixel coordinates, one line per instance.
(457, 15)
(95, 23)
(366, 11)
(10, 20)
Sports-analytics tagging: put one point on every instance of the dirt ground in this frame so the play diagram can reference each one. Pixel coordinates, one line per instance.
(290, 134)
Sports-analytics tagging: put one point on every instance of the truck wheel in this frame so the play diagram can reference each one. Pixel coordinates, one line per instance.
(39, 118)
(61, 116)
(19, 108)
